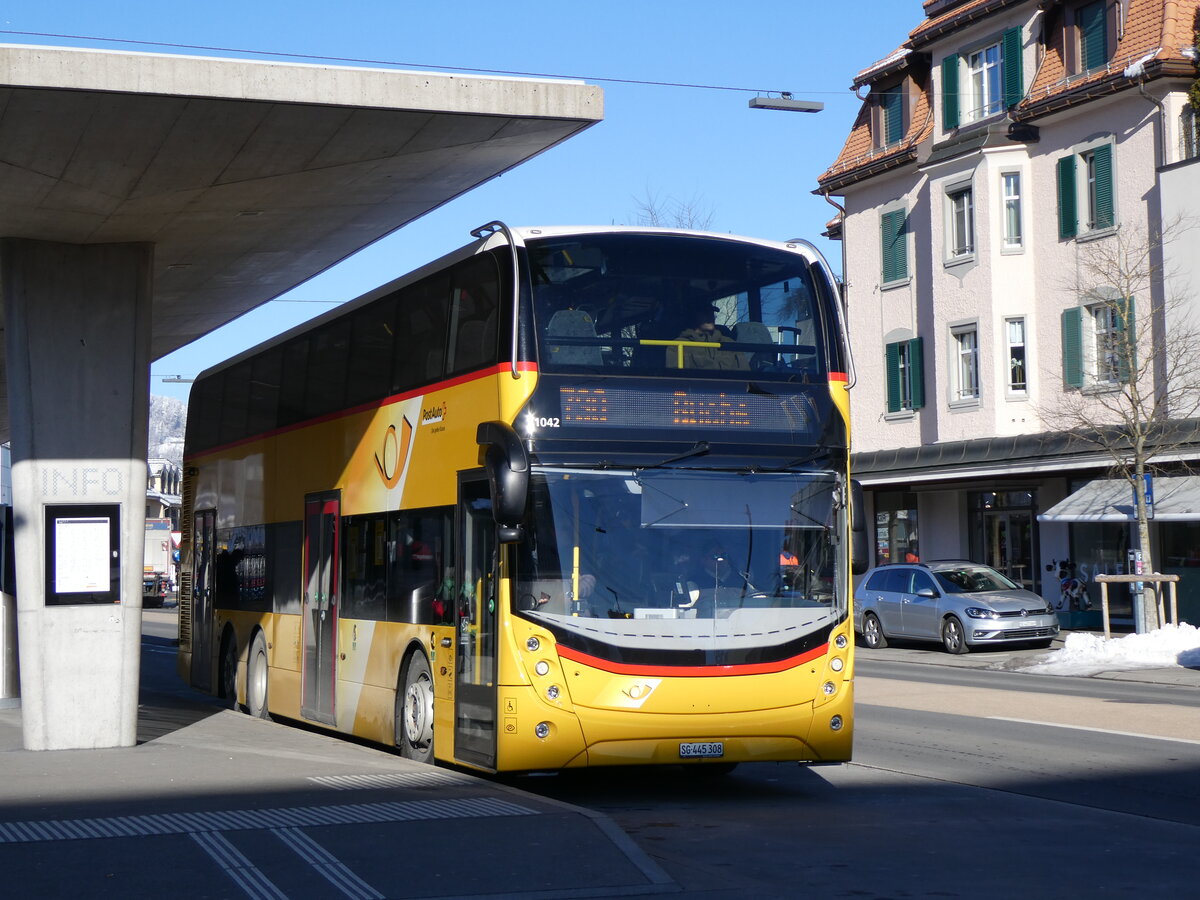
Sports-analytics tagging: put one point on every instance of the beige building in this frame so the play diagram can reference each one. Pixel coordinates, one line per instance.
(164, 482)
(998, 151)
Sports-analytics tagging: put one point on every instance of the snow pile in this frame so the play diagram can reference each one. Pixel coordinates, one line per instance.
(1091, 654)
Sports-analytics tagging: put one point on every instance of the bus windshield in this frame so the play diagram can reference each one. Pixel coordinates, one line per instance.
(700, 560)
(696, 306)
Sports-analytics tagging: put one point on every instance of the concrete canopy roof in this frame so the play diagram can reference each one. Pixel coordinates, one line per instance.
(250, 177)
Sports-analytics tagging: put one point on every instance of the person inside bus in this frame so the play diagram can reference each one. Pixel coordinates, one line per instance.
(702, 327)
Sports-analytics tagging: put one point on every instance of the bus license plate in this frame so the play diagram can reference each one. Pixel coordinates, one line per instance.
(701, 749)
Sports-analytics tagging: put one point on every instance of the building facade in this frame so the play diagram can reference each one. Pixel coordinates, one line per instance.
(1008, 158)
(164, 483)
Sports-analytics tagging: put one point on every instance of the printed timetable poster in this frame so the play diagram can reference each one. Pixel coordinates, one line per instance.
(82, 554)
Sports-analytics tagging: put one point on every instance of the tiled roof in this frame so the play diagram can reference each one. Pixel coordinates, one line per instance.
(1155, 31)
(876, 69)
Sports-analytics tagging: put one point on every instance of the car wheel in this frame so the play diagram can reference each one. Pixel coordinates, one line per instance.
(256, 678)
(872, 632)
(953, 637)
(229, 661)
(414, 711)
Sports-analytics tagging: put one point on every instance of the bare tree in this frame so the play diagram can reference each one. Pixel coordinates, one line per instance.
(669, 212)
(1133, 389)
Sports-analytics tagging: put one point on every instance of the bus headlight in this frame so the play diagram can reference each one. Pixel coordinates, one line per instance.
(532, 644)
(840, 642)
(829, 687)
(542, 729)
(835, 724)
(542, 667)
(552, 692)
(836, 664)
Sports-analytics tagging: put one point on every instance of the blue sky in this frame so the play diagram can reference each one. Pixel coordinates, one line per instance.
(752, 170)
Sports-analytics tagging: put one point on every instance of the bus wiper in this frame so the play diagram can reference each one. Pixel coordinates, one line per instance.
(700, 449)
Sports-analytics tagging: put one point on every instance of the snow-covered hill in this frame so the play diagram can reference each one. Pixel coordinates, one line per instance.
(168, 416)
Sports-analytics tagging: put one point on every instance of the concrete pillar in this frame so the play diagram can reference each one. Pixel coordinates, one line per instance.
(77, 332)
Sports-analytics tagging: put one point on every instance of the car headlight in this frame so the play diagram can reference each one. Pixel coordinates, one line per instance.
(976, 612)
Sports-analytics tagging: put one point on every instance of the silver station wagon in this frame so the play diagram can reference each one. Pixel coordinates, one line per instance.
(960, 603)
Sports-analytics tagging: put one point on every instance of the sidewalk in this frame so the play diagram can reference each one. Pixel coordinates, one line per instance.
(215, 804)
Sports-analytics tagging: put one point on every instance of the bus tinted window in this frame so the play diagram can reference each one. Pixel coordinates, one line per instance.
(373, 336)
(647, 303)
(264, 391)
(474, 315)
(291, 388)
(422, 315)
(328, 355)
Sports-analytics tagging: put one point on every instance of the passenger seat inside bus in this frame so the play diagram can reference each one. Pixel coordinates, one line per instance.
(754, 333)
(573, 323)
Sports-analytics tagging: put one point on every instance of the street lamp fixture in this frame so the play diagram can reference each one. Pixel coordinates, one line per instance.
(786, 102)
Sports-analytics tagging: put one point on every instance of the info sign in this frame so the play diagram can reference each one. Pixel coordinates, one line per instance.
(83, 558)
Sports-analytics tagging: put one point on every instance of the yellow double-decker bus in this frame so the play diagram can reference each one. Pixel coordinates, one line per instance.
(565, 497)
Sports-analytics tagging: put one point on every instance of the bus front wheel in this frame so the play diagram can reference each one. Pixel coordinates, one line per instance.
(414, 711)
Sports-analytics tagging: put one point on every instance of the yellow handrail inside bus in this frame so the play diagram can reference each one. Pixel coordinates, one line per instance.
(679, 345)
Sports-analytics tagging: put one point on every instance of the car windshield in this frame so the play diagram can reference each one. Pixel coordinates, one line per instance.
(694, 306)
(701, 560)
(972, 580)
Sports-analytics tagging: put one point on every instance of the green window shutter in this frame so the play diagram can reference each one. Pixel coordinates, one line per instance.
(1068, 217)
(1011, 66)
(1127, 346)
(1072, 347)
(893, 107)
(1102, 166)
(950, 92)
(1093, 35)
(916, 373)
(893, 245)
(892, 363)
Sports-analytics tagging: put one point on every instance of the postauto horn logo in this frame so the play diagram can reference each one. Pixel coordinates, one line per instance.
(433, 415)
(390, 458)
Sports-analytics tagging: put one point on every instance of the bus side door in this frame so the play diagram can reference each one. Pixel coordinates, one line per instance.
(475, 618)
(204, 541)
(319, 609)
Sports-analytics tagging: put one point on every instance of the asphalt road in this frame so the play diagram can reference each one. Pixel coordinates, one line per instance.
(968, 781)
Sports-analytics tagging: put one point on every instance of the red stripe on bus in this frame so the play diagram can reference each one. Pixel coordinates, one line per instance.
(500, 369)
(838, 376)
(617, 668)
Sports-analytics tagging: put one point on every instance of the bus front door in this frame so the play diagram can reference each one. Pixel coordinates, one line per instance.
(319, 609)
(475, 617)
(204, 539)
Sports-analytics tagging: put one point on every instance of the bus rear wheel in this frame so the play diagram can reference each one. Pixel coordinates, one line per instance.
(256, 678)
(414, 711)
(228, 672)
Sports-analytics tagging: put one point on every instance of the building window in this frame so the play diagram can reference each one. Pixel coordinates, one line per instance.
(1189, 132)
(966, 361)
(1087, 174)
(904, 362)
(961, 229)
(1091, 26)
(888, 121)
(1099, 344)
(1017, 383)
(983, 68)
(893, 228)
(1010, 184)
(995, 81)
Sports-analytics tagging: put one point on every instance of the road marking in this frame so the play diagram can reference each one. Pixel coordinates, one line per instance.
(1132, 734)
(254, 819)
(390, 780)
(245, 874)
(327, 865)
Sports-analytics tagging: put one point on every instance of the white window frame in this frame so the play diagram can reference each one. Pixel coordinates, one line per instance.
(1017, 356)
(985, 78)
(964, 381)
(1101, 365)
(960, 222)
(1012, 212)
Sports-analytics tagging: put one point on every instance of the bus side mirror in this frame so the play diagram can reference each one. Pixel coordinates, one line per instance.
(507, 467)
(859, 547)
